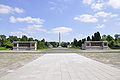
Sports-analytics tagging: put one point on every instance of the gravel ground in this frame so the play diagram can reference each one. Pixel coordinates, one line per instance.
(112, 59)
(9, 61)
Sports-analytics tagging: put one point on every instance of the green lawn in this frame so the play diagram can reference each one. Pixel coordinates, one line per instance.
(3, 48)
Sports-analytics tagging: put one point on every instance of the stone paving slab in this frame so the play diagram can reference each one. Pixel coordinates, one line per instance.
(70, 66)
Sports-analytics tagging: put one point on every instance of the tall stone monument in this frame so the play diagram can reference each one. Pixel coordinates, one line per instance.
(59, 40)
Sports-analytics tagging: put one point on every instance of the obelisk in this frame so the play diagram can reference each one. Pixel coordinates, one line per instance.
(59, 40)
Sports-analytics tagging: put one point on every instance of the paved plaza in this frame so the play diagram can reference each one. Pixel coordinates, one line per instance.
(64, 66)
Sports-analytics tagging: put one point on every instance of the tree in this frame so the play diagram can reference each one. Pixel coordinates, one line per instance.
(47, 44)
(2, 40)
(68, 43)
(79, 43)
(43, 40)
(64, 44)
(30, 39)
(96, 37)
(117, 36)
(104, 36)
(92, 38)
(54, 44)
(41, 45)
(9, 44)
(111, 44)
(75, 43)
(109, 38)
(12, 38)
(88, 38)
(83, 40)
(24, 38)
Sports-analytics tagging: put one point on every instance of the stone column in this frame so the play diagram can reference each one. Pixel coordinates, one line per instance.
(35, 45)
(30, 45)
(102, 45)
(90, 45)
(17, 46)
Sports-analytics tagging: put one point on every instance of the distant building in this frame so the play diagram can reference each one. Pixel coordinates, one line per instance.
(95, 45)
(25, 45)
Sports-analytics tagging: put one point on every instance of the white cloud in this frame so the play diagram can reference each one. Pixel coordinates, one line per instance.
(104, 20)
(79, 36)
(52, 8)
(97, 6)
(88, 1)
(94, 18)
(32, 28)
(86, 18)
(29, 30)
(61, 30)
(114, 3)
(26, 19)
(101, 4)
(18, 10)
(100, 26)
(4, 9)
(19, 33)
(105, 14)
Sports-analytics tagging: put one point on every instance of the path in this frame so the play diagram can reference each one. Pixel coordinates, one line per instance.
(65, 66)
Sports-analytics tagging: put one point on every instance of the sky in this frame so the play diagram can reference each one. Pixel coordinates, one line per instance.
(72, 18)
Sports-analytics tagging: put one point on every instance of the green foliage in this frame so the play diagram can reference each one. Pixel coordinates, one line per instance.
(12, 38)
(88, 38)
(24, 38)
(8, 44)
(75, 42)
(3, 48)
(54, 44)
(2, 40)
(96, 37)
(109, 38)
(43, 40)
(64, 44)
(47, 44)
(117, 36)
(41, 45)
(113, 43)
(83, 40)
(30, 39)
(79, 43)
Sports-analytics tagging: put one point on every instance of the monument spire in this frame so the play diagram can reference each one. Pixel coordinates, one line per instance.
(59, 39)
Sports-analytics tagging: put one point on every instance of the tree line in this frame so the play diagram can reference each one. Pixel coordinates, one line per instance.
(7, 43)
(113, 42)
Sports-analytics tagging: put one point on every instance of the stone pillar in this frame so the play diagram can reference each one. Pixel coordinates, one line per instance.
(17, 46)
(90, 44)
(35, 45)
(30, 45)
(102, 45)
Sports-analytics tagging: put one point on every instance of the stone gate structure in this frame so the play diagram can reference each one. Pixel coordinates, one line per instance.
(24, 45)
(95, 45)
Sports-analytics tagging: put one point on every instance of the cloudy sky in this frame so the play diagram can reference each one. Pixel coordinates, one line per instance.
(45, 18)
